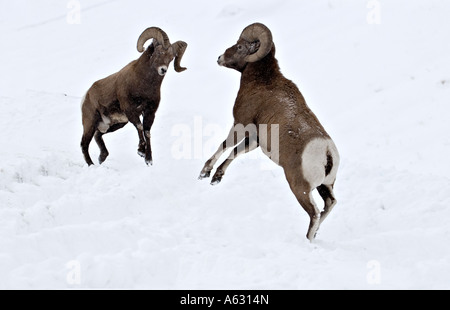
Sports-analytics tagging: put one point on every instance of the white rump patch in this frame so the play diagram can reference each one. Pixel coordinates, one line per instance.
(314, 161)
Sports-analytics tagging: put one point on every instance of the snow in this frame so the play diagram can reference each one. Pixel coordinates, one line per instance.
(380, 90)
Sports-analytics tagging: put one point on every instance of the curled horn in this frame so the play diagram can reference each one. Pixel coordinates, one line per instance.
(258, 32)
(179, 48)
(153, 32)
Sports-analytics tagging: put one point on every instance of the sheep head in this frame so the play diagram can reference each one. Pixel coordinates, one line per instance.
(253, 45)
(161, 50)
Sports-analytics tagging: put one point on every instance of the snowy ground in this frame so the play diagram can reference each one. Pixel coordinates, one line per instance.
(381, 90)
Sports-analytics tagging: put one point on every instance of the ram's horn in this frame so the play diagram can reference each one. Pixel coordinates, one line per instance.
(179, 48)
(153, 32)
(258, 32)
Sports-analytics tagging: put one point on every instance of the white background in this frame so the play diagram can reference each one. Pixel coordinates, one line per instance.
(382, 91)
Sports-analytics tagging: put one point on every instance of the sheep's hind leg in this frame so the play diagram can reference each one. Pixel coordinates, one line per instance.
(303, 192)
(88, 134)
(327, 194)
(248, 145)
(307, 202)
(85, 141)
(101, 144)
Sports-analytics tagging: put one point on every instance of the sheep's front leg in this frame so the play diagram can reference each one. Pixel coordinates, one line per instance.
(249, 144)
(149, 118)
(227, 144)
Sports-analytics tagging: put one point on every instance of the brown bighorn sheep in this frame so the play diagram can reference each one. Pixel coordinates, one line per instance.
(126, 95)
(271, 108)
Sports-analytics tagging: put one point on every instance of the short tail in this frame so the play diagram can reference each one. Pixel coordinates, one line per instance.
(332, 163)
(329, 165)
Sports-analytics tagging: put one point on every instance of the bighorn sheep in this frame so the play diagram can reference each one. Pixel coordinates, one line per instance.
(267, 100)
(126, 95)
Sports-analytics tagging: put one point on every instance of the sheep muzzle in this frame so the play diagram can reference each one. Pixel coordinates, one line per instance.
(162, 70)
(221, 60)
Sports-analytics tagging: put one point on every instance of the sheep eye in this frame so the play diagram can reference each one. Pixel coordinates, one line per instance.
(239, 47)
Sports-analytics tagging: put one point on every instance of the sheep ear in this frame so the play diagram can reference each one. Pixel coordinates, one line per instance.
(254, 47)
(151, 47)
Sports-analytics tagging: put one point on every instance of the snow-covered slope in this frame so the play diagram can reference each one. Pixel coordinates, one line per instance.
(381, 90)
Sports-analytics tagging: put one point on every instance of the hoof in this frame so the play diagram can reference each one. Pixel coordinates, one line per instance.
(311, 238)
(141, 153)
(102, 158)
(215, 182)
(217, 178)
(149, 162)
(312, 232)
(204, 175)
